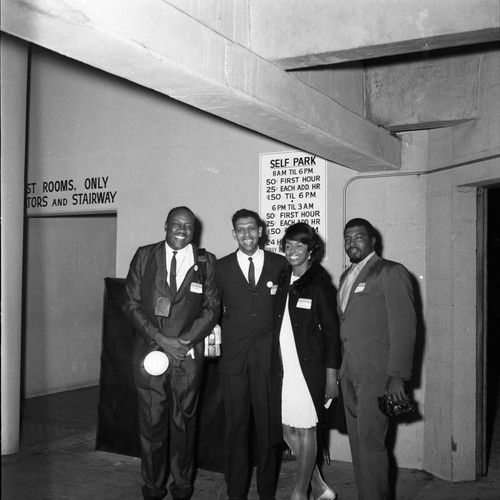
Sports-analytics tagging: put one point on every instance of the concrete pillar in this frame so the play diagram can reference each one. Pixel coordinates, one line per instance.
(14, 85)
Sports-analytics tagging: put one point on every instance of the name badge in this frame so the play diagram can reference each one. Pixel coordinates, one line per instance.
(196, 288)
(162, 307)
(304, 303)
(274, 289)
(360, 288)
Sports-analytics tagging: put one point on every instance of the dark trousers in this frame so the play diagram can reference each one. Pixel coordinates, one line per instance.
(246, 394)
(367, 429)
(167, 425)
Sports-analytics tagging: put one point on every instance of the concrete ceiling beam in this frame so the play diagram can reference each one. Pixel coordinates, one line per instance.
(159, 47)
(425, 93)
(293, 35)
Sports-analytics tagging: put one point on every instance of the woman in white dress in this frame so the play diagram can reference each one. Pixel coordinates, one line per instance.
(305, 355)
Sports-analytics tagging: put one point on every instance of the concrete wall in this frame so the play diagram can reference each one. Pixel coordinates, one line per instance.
(424, 92)
(450, 440)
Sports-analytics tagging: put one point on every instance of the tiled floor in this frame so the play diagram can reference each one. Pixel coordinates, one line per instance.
(58, 461)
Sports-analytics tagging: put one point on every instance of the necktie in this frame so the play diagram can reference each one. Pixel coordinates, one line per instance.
(347, 285)
(251, 273)
(173, 274)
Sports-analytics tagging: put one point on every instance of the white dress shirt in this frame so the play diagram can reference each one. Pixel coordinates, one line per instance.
(184, 259)
(258, 262)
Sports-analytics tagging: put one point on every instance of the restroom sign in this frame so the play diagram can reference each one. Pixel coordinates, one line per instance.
(61, 195)
(292, 189)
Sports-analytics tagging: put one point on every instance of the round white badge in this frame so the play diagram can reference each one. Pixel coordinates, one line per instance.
(156, 363)
(269, 284)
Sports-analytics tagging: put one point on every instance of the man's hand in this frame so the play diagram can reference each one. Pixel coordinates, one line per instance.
(174, 347)
(395, 389)
(332, 387)
(332, 390)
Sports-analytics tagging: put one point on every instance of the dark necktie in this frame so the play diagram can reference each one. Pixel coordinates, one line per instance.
(173, 274)
(251, 273)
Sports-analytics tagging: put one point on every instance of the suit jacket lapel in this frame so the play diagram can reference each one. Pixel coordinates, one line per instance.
(235, 269)
(189, 275)
(341, 282)
(265, 270)
(360, 279)
(161, 266)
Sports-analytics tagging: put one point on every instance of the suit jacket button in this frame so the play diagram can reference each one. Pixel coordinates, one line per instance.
(306, 360)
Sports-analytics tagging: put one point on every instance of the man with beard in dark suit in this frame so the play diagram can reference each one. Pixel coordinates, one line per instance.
(248, 281)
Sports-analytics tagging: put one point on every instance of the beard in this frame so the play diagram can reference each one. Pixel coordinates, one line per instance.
(355, 256)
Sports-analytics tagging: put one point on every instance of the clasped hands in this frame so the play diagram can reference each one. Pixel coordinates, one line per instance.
(175, 348)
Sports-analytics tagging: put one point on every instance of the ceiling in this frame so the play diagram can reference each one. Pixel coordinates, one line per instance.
(326, 80)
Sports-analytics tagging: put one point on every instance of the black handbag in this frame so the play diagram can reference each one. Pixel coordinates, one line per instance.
(395, 408)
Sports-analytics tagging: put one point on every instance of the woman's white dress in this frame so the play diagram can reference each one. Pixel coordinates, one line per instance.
(297, 407)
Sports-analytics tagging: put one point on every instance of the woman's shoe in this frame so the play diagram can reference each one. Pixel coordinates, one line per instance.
(328, 494)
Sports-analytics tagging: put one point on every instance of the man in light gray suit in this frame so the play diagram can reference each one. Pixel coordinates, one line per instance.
(377, 330)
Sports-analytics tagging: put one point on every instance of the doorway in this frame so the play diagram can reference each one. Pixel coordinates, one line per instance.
(66, 261)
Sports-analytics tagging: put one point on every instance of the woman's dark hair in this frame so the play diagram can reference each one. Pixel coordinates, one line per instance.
(305, 234)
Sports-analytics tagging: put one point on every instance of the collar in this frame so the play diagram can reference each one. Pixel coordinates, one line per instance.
(181, 253)
(258, 256)
(310, 275)
(360, 265)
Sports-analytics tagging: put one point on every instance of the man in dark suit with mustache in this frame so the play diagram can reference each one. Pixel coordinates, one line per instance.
(248, 280)
(377, 329)
(172, 299)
